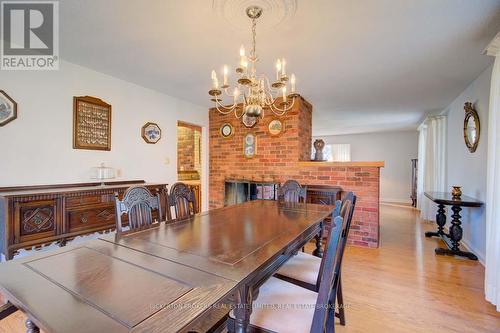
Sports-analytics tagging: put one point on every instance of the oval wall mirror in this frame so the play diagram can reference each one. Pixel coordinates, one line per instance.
(472, 127)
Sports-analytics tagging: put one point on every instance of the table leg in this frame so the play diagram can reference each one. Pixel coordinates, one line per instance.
(318, 252)
(243, 310)
(455, 237)
(456, 228)
(440, 220)
(31, 327)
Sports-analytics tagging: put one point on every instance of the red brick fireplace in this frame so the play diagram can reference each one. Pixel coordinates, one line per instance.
(288, 157)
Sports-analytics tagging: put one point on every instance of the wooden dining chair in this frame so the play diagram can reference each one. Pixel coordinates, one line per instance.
(183, 200)
(305, 270)
(6, 310)
(285, 307)
(138, 203)
(291, 191)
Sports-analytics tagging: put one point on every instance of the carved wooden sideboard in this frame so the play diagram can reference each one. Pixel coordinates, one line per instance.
(32, 216)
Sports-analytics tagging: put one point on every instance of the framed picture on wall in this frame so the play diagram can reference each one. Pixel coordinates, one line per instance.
(91, 123)
(250, 145)
(151, 133)
(8, 108)
(275, 127)
(226, 130)
(248, 121)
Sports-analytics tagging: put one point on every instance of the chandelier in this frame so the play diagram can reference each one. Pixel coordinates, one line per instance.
(254, 92)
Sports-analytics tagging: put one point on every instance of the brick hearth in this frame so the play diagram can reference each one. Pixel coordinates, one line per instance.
(287, 157)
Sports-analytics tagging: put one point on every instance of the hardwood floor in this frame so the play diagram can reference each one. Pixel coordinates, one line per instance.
(402, 286)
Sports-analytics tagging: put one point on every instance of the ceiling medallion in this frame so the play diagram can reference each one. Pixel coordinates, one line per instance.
(254, 92)
(232, 13)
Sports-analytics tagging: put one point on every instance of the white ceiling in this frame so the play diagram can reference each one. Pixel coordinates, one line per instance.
(365, 65)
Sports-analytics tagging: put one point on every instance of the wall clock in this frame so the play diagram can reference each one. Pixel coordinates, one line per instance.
(248, 121)
(226, 131)
(8, 108)
(151, 133)
(250, 145)
(275, 127)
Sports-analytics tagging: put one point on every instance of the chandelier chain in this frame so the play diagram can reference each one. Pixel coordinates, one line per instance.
(254, 37)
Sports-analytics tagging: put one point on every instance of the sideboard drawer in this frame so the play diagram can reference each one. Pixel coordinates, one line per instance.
(90, 218)
(35, 220)
(83, 200)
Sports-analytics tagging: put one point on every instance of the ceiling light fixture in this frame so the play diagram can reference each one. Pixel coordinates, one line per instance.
(254, 92)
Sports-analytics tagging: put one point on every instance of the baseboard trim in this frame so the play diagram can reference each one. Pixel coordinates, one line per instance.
(399, 201)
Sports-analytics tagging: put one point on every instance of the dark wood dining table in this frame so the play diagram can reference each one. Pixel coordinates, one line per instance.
(169, 278)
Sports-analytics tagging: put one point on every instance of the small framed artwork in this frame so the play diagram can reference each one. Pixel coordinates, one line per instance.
(226, 130)
(250, 145)
(8, 108)
(248, 121)
(151, 133)
(91, 123)
(275, 127)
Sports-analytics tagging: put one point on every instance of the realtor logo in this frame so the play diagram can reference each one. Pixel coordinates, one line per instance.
(30, 35)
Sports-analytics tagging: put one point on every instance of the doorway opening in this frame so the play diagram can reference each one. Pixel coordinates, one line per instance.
(189, 163)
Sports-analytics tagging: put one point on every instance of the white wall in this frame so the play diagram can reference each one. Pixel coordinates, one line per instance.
(396, 149)
(37, 147)
(466, 169)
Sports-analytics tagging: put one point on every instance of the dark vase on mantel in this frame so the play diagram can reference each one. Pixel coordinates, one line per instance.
(318, 146)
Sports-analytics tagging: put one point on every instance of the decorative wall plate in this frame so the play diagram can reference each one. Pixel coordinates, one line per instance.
(8, 108)
(226, 130)
(151, 133)
(275, 127)
(249, 122)
(250, 145)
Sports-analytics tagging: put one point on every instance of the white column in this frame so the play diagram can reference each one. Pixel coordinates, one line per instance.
(492, 273)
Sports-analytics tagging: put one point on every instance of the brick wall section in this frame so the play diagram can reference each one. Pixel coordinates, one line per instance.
(279, 158)
(185, 148)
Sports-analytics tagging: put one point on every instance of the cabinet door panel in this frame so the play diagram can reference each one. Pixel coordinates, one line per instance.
(35, 220)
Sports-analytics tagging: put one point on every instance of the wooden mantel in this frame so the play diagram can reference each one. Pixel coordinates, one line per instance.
(373, 164)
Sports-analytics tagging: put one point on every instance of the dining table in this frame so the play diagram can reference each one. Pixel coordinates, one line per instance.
(177, 276)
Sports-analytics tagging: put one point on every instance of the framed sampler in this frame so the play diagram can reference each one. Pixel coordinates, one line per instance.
(91, 123)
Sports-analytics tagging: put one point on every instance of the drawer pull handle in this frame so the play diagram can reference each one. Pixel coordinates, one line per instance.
(83, 219)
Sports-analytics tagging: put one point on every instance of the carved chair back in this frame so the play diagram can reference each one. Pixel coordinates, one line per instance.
(183, 200)
(344, 209)
(138, 203)
(291, 191)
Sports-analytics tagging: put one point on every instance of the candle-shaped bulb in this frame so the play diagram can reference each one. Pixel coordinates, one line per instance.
(284, 94)
(242, 51)
(283, 65)
(226, 71)
(292, 81)
(278, 69)
(215, 82)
